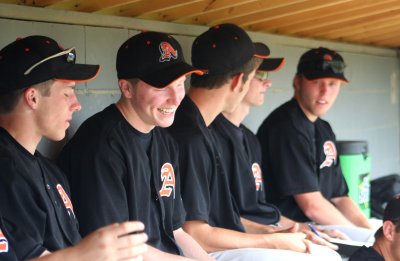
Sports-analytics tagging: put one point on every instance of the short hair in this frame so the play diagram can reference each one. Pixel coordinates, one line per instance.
(215, 81)
(9, 100)
(379, 232)
(133, 81)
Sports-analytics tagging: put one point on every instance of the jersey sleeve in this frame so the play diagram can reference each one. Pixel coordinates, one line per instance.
(23, 218)
(341, 189)
(337, 184)
(97, 181)
(179, 210)
(289, 157)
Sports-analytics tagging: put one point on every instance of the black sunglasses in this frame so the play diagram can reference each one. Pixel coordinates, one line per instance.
(323, 65)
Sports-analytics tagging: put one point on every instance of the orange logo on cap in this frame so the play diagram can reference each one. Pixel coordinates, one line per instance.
(328, 57)
(167, 52)
(3, 243)
(257, 175)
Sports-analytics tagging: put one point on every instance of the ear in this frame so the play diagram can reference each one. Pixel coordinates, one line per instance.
(296, 82)
(388, 229)
(237, 82)
(126, 88)
(31, 97)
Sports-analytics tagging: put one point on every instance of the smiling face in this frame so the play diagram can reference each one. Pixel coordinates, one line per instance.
(54, 110)
(154, 106)
(316, 97)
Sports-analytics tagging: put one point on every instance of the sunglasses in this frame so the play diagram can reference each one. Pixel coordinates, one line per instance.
(261, 75)
(334, 66)
(70, 58)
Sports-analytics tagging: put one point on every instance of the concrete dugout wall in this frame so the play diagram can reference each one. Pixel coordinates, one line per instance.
(366, 109)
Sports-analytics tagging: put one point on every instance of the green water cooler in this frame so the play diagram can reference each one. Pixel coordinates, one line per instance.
(355, 163)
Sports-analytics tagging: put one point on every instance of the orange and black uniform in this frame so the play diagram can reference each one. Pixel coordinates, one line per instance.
(242, 159)
(34, 202)
(298, 156)
(205, 185)
(117, 173)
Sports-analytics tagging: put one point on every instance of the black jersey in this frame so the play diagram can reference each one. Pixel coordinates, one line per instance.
(34, 201)
(205, 186)
(6, 251)
(242, 158)
(117, 174)
(299, 156)
(366, 254)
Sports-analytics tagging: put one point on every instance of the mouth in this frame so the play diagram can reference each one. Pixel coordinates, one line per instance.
(166, 111)
(323, 102)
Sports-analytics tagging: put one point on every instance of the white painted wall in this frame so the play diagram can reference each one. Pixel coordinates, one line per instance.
(366, 109)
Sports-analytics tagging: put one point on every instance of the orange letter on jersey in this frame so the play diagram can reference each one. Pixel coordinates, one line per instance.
(168, 178)
(3, 243)
(65, 199)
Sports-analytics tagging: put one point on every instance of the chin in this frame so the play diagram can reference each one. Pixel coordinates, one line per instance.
(56, 137)
(165, 124)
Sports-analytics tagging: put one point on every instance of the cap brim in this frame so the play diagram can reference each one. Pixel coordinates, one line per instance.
(79, 73)
(167, 76)
(261, 50)
(320, 75)
(271, 64)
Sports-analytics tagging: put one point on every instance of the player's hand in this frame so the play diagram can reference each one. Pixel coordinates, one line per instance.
(292, 241)
(114, 242)
(282, 229)
(334, 233)
(323, 239)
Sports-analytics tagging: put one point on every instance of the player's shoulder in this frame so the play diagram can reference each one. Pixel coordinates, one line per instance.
(280, 116)
(97, 129)
(323, 123)
(100, 122)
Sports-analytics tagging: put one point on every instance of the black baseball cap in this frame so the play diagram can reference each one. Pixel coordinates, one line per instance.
(153, 57)
(268, 64)
(321, 63)
(35, 59)
(392, 210)
(221, 49)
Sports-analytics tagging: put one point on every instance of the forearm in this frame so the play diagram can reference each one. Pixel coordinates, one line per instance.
(190, 247)
(320, 210)
(217, 239)
(351, 211)
(157, 255)
(327, 215)
(287, 222)
(256, 228)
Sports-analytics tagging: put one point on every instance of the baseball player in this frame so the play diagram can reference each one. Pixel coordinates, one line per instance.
(300, 163)
(227, 55)
(242, 152)
(121, 163)
(37, 99)
(387, 237)
(242, 157)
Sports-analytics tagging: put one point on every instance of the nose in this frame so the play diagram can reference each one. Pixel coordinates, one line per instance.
(267, 83)
(176, 95)
(75, 104)
(323, 88)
